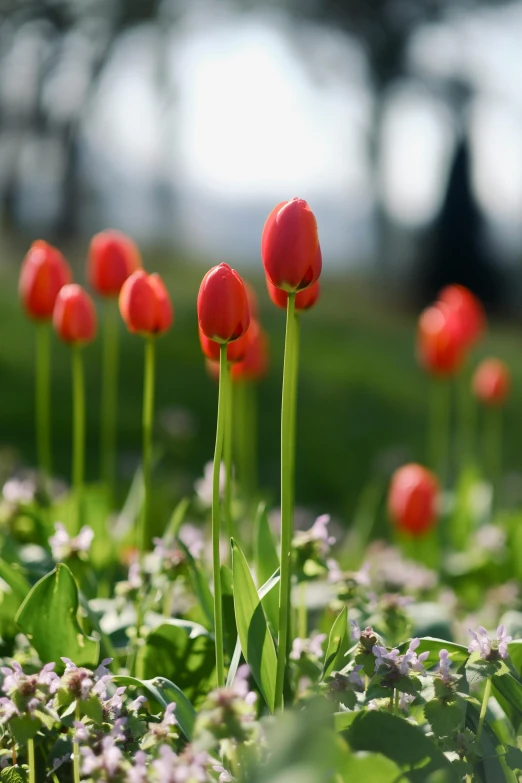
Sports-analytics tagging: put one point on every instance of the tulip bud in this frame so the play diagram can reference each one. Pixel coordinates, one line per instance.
(74, 315)
(255, 364)
(235, 351)
(44, 272)
(469, 309)
(304, 300)
(113, 257)
(290, 246)
(412, 499)
(491, 382)
(223, 313)
(145, 304)
(440, 346)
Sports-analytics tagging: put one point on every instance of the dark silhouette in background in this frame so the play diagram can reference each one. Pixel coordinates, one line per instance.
(458, 246)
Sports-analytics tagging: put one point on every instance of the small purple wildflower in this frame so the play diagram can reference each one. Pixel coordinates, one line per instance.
(64, 546)
(488, 648)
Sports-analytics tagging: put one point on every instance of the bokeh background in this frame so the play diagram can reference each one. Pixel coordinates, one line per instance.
(183, 122)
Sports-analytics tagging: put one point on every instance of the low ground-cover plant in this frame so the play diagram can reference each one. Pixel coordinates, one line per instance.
(255, 651)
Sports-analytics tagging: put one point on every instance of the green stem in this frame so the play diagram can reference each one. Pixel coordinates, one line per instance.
(43, 398)
(483, 708)
(216, 511)
(287, 492)
(396, 702)
(493, 447)
(439, 428)
(148, 416)
(31, 761)
(78, 429)
(466, 415)
(227, 456)
(76, 748)
(109, 399)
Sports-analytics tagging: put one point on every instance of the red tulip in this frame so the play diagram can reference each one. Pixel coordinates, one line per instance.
(469, 310)
(223, 313)
(304, 300)
(290, 246)
(44, 272)
(253, 307)
(113, 257)
(235, 351)
(145, 304)
(440, 346)
(74, 315)
(255, 364)
(491, 382)
(412, 499)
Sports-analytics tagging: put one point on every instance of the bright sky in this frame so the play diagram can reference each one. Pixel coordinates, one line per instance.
(247, 120)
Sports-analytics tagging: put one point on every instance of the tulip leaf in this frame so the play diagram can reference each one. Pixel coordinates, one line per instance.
(254, 635)
(183, 652)
(48, 617)
(335, 642)
(457, 652)
(267, 562)
(163, 692)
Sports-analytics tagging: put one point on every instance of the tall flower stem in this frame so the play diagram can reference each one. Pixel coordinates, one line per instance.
(147, 420)
(483, 708)
(224, 381)
(78, 383)
(227, 456)
(440, 410)
(466, 416)
(31, 761)
(493, 447)
(76, 749)
(109, 396)
(43, 398)
(287, 491)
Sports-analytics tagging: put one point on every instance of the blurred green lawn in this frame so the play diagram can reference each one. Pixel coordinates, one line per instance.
(362, 399)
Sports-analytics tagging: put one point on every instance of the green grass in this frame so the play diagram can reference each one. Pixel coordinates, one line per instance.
(362, 399)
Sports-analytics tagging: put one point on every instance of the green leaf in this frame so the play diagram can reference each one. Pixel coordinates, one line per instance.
(445, 717)
(48, 617)
(163, 692)
(492, 767)
(511, 689)
(176, 520)
(183, 652)
(229, 620)
(335, 641)
(515, 654)
(477, 669)
(256, 641)
(13, 576)
(266, 562)
(514, 757)
(343, 719)
(400, 741)
(14, 775)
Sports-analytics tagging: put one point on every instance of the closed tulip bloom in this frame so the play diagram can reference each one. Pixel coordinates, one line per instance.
(223, 313)
(113, 257)
(74, 316)
(413, 499)
(469, 310)
(255, 364)
(491, 382)
(236, 350)
(304, 300)
(44, 272)
(290, 246)
(145, 304)
(440, 346)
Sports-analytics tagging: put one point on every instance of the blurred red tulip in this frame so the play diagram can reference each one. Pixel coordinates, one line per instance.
(491, 382)
(236, 350)
(113, 257)
(223, 313)
(74, 315)
(145, 304)
(412, 499)
(440, 346)
(255, 364)
(44, 272)
(253, 307)
(290, 246)
(471, 313)
(304, 300)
